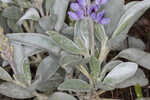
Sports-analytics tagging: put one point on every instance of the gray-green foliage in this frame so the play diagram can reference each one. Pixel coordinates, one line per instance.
(39, 27)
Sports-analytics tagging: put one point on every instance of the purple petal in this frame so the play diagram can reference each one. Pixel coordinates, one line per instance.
(73, 16)
(75, 6)
(82, 3)
(93, 8)
(105, 21)
(80, 14)
(100, 16)
(104, 1)
(93, 16)
(101, 2)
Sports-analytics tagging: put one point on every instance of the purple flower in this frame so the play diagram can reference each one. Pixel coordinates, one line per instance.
(81, 10)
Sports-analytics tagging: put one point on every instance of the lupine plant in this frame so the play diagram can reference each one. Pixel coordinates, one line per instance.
(77, 37)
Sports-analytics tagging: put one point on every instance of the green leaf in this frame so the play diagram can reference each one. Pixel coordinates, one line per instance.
(48, 5)
(35, 40)
(47, 68)
(22, 64)
(95, 67)
(47, 22)
(61, 96)
(138, 91)
(59, 9)
(12, 12)
(130, 16)
(65, 43)
(120, 73)
(100, 33)
(75, 85)
(114, 13)
(138, 78)
(140, 57)
(14, 91)
(4, 75)
(31, 13)
(69, 60)
(108, 67)
(82, 34)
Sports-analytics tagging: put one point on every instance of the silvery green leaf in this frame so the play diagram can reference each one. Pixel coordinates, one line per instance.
(108, 67)
(18, 56)
(60, 8)
(138, 78)
(24, 3)
(31, 13)
(114, 13)
(140, 57)
(13, 25)
(65, 43)
(51, 84)
(69, 59)
(47, 68)
(61, 96)
(35, 40)
(4, 75)
(130, 4)
(82, 34)
(47, 22)
(49, 5)
(75, 85)
(30, 51)
(12, 12)
(14, 91)
(100, 32)
(38, 28)
(120, 73)
(131, 42)
(22, 64)
(95, 67)
(130, 17)
(6, 1)
(67, 30)
(136, 43)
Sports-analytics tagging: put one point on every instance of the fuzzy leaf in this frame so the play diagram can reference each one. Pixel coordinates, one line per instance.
(31, 13)
(35, 40)
(61, 96)
(75, 85)
(65, 43)
(49, 5)
(120, 73)
(47, 68)
(130, 17)
(47, 22)
(4, 75)
(82, 34)
(95, 67)
(114, 13)
(14, 91)
(108, 67)
(140, 57)
(59, 9)
(138, 78)
(12, 12)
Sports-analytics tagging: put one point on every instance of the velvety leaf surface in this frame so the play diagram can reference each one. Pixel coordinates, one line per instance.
(75, 85)
(4, 75)
(14, 91)
(140, 57)
(61, 96)
(47, 68)
(138, 78)
(120, 73)
(65, 43)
